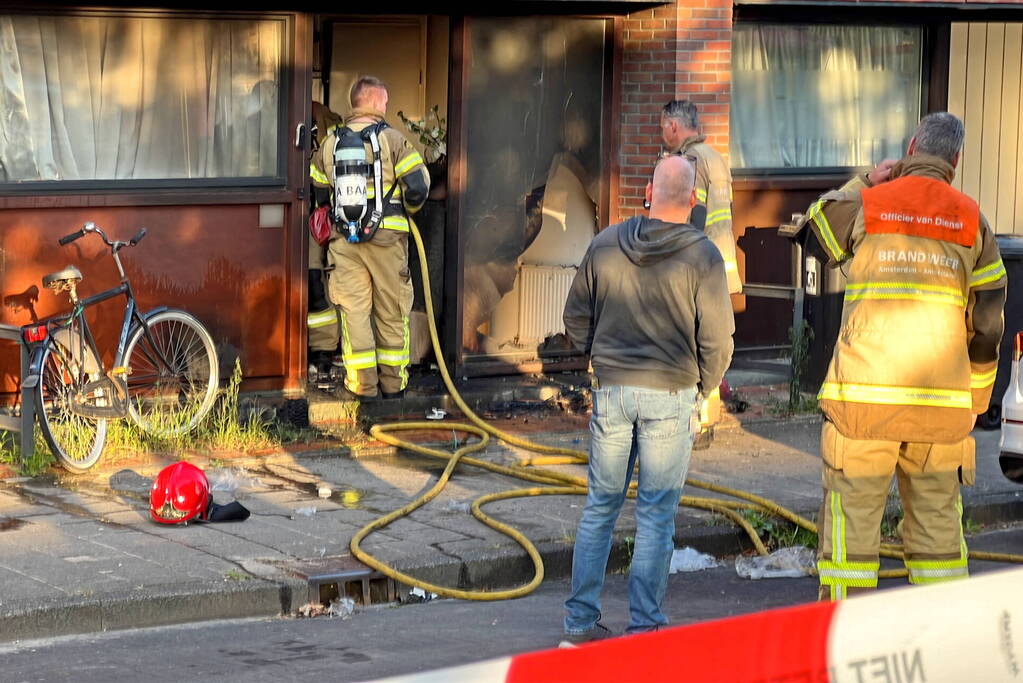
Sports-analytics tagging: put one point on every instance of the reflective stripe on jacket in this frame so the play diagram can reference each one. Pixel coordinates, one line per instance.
(917, 352)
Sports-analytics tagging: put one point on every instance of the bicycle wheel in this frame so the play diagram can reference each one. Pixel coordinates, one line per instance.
(173, 375)
(76, 441)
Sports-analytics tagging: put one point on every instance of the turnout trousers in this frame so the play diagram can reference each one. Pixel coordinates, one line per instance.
(857, 477)
(371, 285)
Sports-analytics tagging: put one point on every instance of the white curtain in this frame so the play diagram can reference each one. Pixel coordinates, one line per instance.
(806, 96)
(85, 98)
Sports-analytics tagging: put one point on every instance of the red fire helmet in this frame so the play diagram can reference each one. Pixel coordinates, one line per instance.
(180, 492)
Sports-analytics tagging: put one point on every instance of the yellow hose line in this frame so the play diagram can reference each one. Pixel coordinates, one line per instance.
(557, 483)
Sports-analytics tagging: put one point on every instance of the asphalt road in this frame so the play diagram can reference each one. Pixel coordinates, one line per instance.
(386, 641)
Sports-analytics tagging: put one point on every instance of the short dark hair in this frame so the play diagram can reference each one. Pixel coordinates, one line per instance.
(684, 112)
(940, 134)
(363, 84)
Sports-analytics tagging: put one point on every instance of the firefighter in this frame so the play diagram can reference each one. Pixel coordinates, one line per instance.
(323, 322)
(370, 280)
(680, 132)
(914, 363)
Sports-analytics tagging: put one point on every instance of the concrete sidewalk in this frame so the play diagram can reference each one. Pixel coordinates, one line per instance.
(80, 554)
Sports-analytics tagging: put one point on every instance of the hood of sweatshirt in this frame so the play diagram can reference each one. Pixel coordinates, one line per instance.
(648, 240)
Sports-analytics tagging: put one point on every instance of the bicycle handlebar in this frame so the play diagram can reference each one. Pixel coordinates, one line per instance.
(91, 227)
(68, 239)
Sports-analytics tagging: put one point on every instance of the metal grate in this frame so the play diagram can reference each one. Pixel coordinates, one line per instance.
(335, 577)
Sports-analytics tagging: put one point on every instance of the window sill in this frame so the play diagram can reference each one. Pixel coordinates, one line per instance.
(41, 199)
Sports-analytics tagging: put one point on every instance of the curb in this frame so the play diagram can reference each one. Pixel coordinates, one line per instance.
(153, 606)
(486, 569)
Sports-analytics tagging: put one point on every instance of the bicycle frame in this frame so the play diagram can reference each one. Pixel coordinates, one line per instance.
(132, 318)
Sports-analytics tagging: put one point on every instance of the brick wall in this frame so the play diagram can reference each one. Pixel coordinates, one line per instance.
(675, 51)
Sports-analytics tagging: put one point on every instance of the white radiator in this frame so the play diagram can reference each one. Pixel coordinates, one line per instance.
(543, 291)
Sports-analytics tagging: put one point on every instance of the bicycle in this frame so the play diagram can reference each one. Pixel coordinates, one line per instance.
(164, 377)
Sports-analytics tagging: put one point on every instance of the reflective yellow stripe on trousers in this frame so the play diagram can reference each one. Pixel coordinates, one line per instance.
(838, 573)
(363, 360)
(321, 318)
(937, 571)
(890, 395)
(398, 358)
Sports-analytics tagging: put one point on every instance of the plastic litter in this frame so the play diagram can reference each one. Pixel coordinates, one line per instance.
(231, 480)
(457, 506)
(785, 563)
(304, 512)
(324, 492)
(342, 607)
(690, 560)
(417, 594)
(436, 414)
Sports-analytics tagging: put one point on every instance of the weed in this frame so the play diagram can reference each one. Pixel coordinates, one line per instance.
(10, 454)
(971, 527)
(800, 340)
(779, 533)
(235, 575)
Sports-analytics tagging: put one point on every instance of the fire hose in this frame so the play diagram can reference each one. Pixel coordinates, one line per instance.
(554, 483)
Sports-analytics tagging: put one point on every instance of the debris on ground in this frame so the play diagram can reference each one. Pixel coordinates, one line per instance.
(457, 506)
(785, 563)
(231, 480)
(304, 512)
(691, 560)
(417, 595)
(341, 607)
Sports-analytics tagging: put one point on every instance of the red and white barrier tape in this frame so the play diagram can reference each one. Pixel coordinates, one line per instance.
(957, 632)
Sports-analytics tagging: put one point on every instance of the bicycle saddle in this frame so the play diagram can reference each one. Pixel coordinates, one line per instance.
(69, 273)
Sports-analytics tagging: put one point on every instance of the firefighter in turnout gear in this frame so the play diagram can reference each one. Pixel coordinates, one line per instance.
(376, 187)
(680, 132)
(323, 322)
(914, 363)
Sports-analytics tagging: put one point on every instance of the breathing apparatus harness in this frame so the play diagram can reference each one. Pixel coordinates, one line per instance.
(352, 172)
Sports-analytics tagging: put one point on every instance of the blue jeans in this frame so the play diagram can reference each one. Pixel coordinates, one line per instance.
(630, 423)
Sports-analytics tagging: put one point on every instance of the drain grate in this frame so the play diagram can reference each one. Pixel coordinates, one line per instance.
(337, 577)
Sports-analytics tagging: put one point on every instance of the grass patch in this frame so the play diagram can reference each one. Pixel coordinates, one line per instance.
(10, 454)
(779, 533)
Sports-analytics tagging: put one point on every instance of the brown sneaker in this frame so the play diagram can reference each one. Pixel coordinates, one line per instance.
(598, 632)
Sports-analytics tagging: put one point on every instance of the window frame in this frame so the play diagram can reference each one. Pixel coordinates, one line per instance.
(113, 185)
(933, 64)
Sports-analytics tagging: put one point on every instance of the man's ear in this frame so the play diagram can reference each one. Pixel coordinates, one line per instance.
(649, 193)
(912, 147)
(692, 198)
(955, 160)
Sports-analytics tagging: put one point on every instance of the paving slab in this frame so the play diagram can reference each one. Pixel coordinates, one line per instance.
(80, 554)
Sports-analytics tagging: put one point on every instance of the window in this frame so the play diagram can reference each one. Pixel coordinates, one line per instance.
(534, 108)
(813, 96)
(139, 98)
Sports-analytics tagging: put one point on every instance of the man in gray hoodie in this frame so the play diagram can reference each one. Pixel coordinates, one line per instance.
(650, 306)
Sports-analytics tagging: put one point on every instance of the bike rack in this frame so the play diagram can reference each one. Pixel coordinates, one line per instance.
(26, 422)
